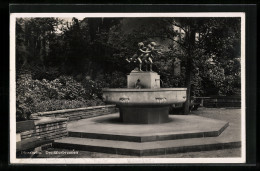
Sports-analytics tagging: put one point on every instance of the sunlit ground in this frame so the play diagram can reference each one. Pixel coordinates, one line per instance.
(232, 115)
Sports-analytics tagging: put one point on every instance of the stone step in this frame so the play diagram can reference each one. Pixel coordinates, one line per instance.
(150, 148)
(180, 127)
(148, 138)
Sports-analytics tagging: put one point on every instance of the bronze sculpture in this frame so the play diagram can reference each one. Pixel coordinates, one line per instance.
(145, 54)
(138, 55)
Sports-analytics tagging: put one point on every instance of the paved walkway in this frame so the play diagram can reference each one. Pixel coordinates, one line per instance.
(233, 116)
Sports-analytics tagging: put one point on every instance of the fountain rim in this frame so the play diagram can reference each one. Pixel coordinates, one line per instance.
(142, 90)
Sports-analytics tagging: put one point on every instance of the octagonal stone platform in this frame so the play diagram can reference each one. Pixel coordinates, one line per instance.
(184, 133)
(179, 127)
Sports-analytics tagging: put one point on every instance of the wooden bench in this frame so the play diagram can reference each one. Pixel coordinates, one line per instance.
(179, 107)
(223, 101)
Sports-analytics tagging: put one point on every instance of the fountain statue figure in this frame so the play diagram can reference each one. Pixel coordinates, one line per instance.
(145, 54)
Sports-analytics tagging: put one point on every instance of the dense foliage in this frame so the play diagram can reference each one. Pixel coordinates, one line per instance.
(64, 63)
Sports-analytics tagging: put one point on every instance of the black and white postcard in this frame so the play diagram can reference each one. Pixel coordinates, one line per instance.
(127, 88)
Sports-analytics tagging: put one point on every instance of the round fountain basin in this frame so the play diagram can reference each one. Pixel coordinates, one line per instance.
(144, 106)
(144, 97)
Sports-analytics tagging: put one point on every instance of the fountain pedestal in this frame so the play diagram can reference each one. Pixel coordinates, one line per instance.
(144, 114)
(147, 104)
(147, 79)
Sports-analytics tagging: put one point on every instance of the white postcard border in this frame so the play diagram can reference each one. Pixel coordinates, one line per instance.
(14, 160)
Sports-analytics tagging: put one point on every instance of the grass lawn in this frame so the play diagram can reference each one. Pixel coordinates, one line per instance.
(232, 115)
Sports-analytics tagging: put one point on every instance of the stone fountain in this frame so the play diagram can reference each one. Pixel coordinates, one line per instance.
(145, 127)
(143, 101)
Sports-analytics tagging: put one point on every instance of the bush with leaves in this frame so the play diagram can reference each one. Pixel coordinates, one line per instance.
(61, 93)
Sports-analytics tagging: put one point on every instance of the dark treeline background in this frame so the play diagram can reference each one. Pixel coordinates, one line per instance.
(65, 62)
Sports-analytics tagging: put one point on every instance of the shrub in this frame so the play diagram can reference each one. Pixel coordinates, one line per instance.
(71, 89)
(61, 93)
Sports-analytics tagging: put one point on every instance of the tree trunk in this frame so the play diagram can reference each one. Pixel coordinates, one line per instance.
(188, 85)
(191, 39)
